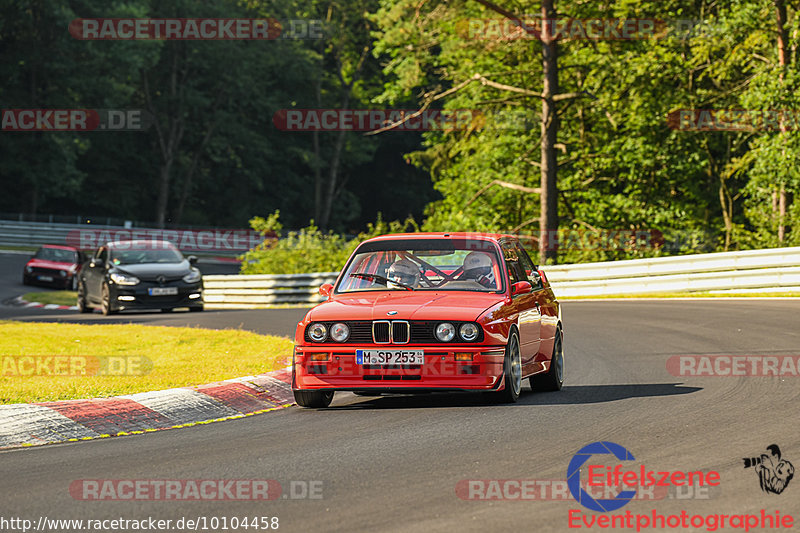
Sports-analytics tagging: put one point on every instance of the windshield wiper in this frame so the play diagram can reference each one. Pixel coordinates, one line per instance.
(380, 279)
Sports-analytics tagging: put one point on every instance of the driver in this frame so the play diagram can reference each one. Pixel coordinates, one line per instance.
(478, 267)
(405, 272)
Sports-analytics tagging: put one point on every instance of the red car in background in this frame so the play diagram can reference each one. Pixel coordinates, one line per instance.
(55, 266)
(428, 312)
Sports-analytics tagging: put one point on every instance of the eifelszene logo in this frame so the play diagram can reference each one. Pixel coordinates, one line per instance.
(774, 473)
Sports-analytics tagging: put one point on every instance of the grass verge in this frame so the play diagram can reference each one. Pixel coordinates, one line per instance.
(686, 295)
(52, 297)
(125, 358)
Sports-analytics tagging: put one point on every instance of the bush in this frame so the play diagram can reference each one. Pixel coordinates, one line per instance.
(309, 249)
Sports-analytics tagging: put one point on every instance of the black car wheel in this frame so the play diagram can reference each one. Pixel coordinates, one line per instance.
(106, 302)
(73, 284)
(512, 371)
(83, 307)
(196, 308)
(25, 280)
(553, 379)
(313, 398)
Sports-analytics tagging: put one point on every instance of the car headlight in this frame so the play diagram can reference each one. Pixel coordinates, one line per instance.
(62, 273)
(28, 269)
(124, 279)
(469, 331)
(317, 332)
(340, 332)
(445, 331)
(193, 276)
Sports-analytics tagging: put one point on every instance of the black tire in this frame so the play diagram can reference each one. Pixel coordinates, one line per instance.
(553, 379)
(73, 285)
(83, 307)
(167, 310)
(105, 307)
(25, 280)
(512, 371)
(196, 309)
(313, 398)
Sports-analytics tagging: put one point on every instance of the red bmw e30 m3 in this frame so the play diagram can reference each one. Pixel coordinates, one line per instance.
(425, 312)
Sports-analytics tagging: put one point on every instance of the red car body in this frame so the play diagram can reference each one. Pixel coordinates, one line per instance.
(53, 265)
(523, 304)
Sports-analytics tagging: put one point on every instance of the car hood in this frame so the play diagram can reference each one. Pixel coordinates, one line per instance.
(56, 265)
(151, 270)
(417, 305)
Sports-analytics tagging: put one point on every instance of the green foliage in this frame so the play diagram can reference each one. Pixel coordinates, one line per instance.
(309, 249)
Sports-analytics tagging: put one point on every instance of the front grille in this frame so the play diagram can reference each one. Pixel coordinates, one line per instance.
(380, 331)
(401, 333)
(46, 271)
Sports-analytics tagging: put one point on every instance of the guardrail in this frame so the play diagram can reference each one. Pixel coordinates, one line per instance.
(216, 242)
(770, 270)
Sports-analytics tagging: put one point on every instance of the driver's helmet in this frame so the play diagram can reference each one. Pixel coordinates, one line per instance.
(405, 272)
(477, 265)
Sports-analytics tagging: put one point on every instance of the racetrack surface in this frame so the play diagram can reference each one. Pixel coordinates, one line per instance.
(393, 463)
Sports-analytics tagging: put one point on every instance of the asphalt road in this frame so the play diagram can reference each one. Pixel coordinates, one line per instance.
(393, 463)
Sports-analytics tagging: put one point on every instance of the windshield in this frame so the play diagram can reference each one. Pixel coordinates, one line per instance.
(134, 257)
(57, 254)
(441, 265)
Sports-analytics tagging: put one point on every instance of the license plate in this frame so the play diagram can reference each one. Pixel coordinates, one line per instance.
(162, 291)
(390, 357)
(45, 278)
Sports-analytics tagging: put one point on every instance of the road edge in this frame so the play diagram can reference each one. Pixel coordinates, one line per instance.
(34, 424)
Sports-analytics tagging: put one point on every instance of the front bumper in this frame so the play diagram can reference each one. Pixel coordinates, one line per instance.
(137, 296)
(441, 370)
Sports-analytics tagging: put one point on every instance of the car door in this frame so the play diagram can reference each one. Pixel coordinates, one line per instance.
(95, 273)
(527, 306)
(548, 312)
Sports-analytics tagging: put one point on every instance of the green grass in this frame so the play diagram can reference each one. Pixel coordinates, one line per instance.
(52, 297)
(179, 356)
(687, 295)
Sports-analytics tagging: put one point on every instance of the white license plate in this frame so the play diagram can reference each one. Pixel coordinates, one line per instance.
(162, 291)
(45, 278)
(390, 357)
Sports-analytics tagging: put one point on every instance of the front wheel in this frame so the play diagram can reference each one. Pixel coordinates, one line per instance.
(313, 398)
(553, 379)
(512, 372)
(105, 305)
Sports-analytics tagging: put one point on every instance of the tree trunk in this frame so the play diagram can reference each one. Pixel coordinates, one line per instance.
(783, 59)
(548, 223)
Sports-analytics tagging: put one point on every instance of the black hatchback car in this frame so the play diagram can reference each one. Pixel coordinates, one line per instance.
(127, 275)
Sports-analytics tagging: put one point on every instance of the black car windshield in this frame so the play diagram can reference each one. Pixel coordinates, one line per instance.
(135, 257)
(57, 254)
(415, 264)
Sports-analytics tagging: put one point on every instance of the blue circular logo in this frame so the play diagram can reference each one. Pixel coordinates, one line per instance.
(574, 476)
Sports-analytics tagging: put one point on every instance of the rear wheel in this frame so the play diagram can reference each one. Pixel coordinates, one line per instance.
(553, 379)
(196, 309)
(512, 371)
(83, 307)
(313, 398)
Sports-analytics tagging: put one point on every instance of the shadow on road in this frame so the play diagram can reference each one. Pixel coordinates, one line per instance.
(569, 395)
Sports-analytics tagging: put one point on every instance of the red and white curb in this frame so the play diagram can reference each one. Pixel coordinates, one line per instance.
(23, 303)
(74, 420)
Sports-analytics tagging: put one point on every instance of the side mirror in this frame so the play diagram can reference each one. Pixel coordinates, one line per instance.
(521, 287)
(192, 260)
(536, 279)
(326, 289)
